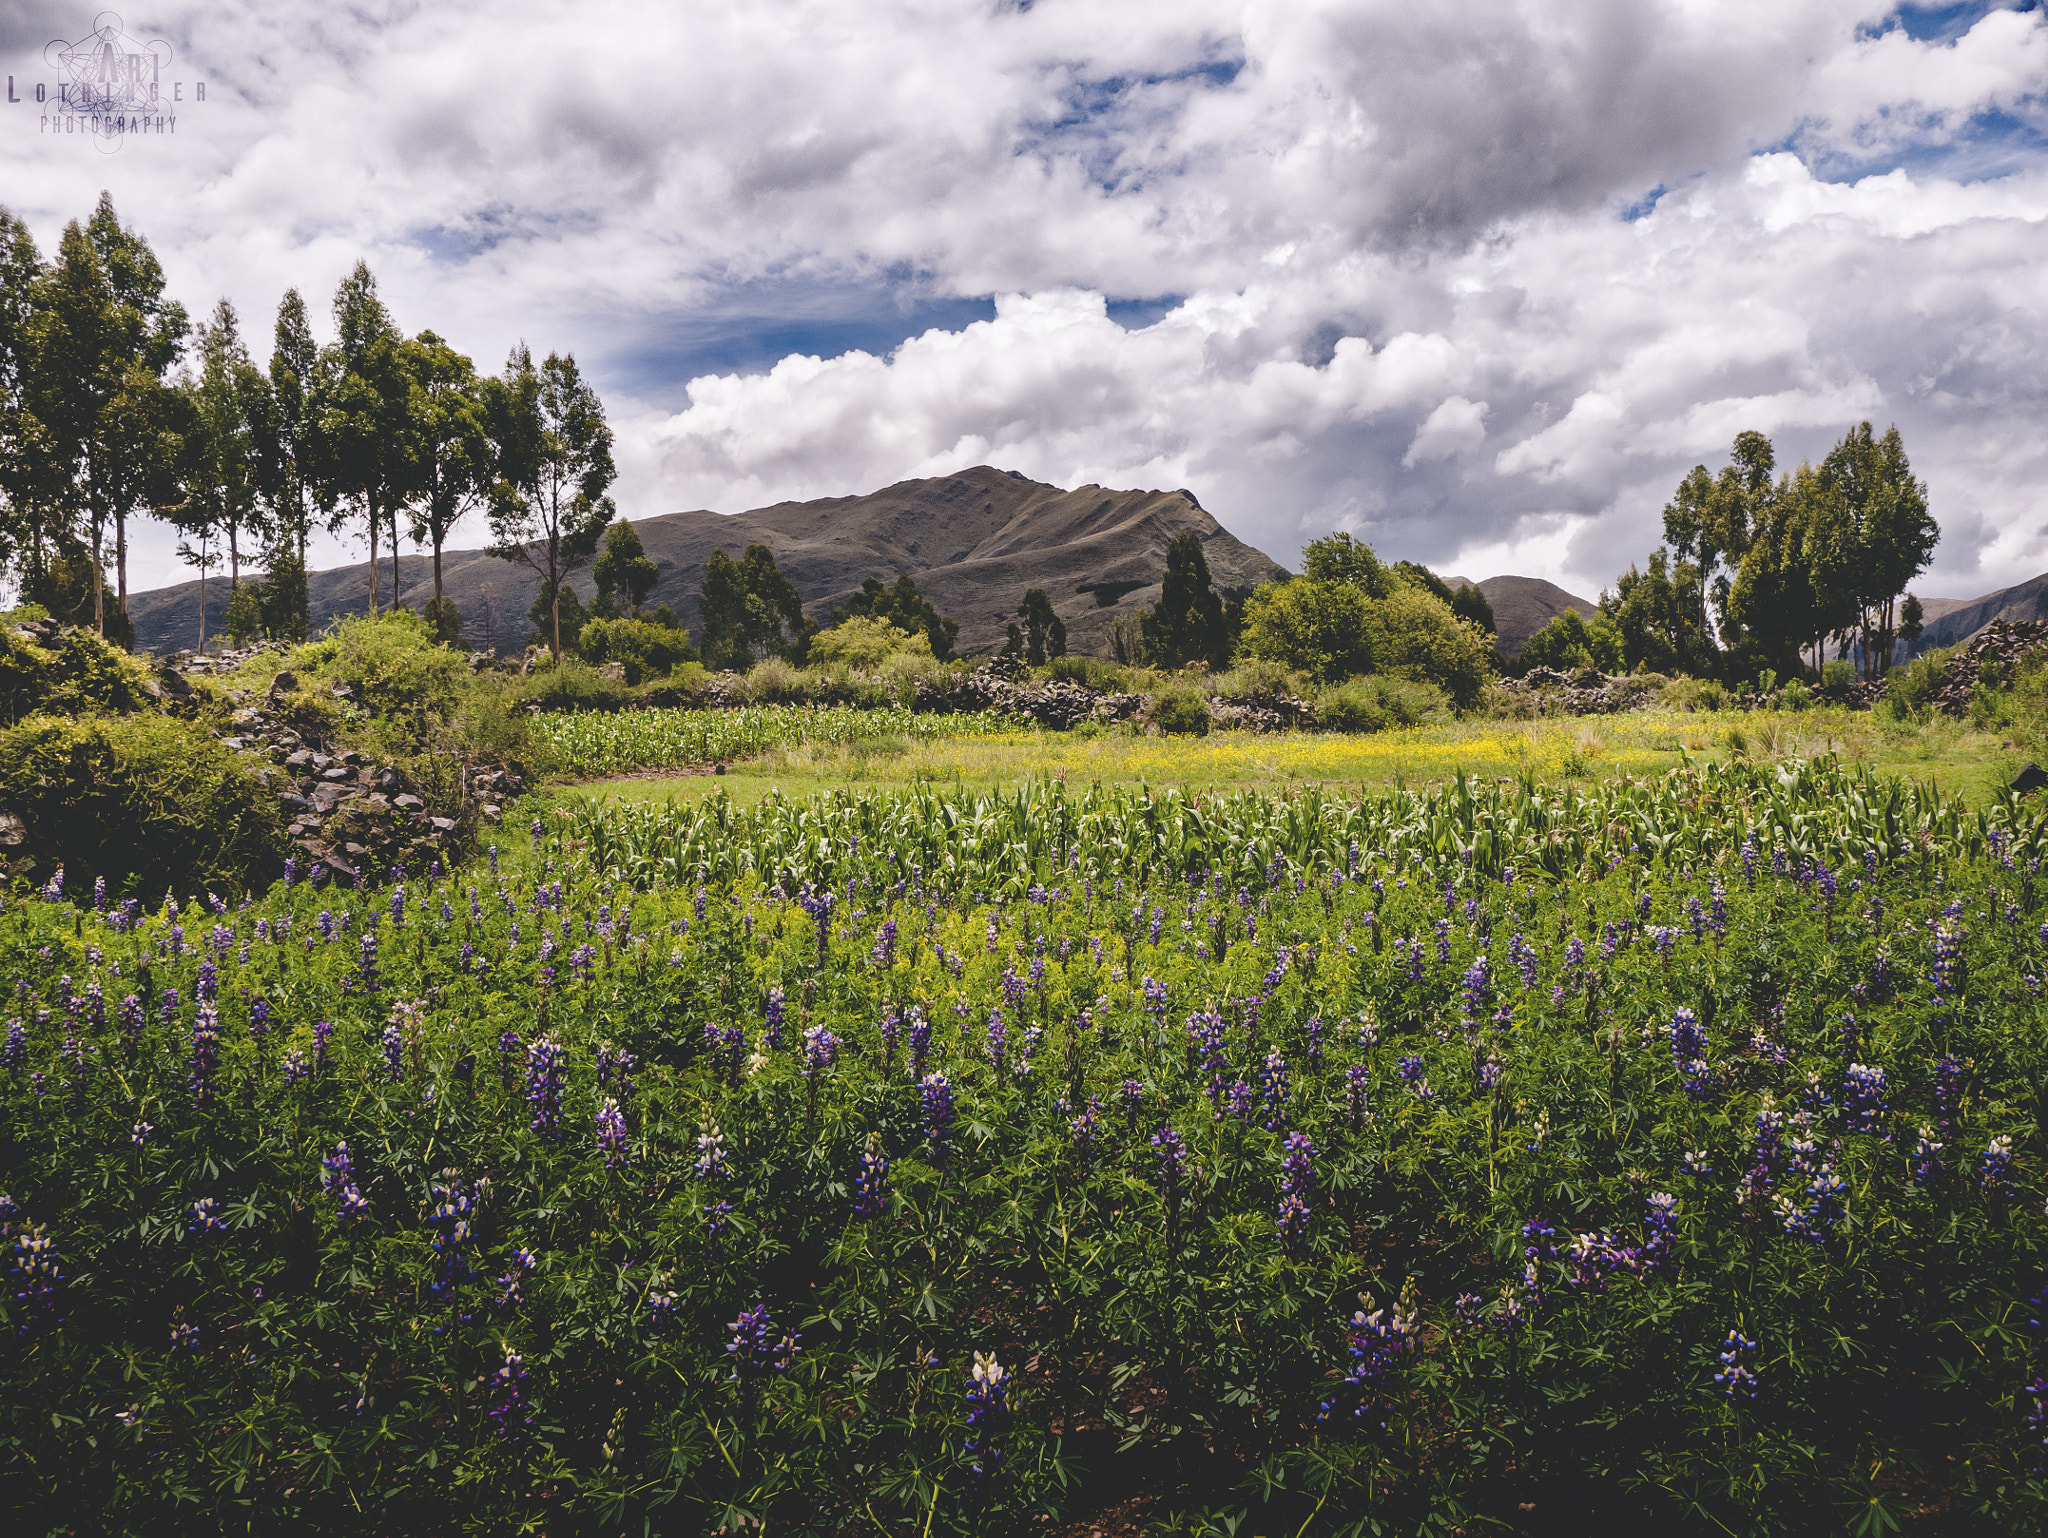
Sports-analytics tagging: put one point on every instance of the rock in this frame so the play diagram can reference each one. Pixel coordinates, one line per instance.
(13, 831)
(2030, 779)
(298, 760)
(387, 779)
(494, 814)
(335, 774)
(441, 824)
(327, 797)
(283, 683)
(348, 692)
(408, 803)
(173, 683)
(237, 743)
(718, 768)
(294, 804)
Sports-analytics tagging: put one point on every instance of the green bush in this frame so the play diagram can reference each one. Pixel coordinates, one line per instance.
(1261, 678)
(81, 674)
(1795, 696)
(1315, 628)
(572, 685)
(1374, 703)
(864, 641)
(1839, 673)
(151, 803)
(1415, 635)
(775, 682)
(1097, 673)
(644, 650)
(396, 664)
(1181, 710)
(1693, 694)
(1570, 641)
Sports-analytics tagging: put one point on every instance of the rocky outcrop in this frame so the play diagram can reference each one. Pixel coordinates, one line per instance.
(2000, 647)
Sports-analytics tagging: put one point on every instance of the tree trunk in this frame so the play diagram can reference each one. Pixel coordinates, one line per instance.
(395, 603)
(99, 612)
(555, 615)
(234, 561)
(437, 571)
(373, 563)
(202, 595)
(121, 560)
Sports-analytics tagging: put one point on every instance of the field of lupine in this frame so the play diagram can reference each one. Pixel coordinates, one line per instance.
(1485, 1159)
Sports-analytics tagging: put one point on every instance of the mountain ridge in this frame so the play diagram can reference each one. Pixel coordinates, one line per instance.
(973, 542)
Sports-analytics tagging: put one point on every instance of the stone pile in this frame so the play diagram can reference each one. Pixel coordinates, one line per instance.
(1584, 692)
(2004, 644)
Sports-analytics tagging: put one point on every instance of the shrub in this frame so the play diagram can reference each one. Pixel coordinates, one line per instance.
(1839, 673)
(1570, 641)
(1795, 696)
(1097, 673)
(1415, 635)
(1181, 710)
(1261, 678)
(81, 673)
(396, 664)
(644, 650)
(151, 803)
(864, 641)
(1377, 702)
(774, 682)
(1315, 628)
(572, 685)
(1693, 694)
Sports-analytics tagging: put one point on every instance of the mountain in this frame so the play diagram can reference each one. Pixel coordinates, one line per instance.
(972, 541)
(1952, 620)
(1524, 605)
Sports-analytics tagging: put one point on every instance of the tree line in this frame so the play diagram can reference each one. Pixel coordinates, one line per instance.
(114, 405)
(1763, 571)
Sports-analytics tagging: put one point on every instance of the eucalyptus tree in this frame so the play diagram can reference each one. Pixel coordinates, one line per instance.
(554, 460)
(284, 439)
(454, 467)
(26, 502)
(362, 441)
(228, 399)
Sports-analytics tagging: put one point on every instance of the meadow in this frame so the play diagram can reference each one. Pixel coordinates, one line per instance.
(1512, 1154)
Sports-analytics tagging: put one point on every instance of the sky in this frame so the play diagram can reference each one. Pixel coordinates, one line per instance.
(1476, 283)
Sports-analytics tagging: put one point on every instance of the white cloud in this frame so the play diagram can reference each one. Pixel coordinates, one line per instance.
(1404, 300)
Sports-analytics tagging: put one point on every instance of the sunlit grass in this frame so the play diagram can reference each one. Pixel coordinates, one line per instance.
(1587, 747)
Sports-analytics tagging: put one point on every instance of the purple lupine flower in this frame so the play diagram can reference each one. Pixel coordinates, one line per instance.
(366, 963)
(337, 1179)
(295, 1067)
(509, 1054)
(1086, 1129)
(1297, 1191)
(37, 1277)
(711, 1164)
(451, 1216)
(1948, 1096)
(1994, 1169)
(544, 1079)
(1273, 1089)
(1863, 1099)
(1357, 1095)
(998, 1043)
(394, 1051)
(1134, 1103)
(14, 1056)
(1155, 998)
(184, 1337)
(1734, 1380)
(988, 1417)
(1689, 1055)
(1377, 1341)
(204, 1060)
(1172, 1176)
(203, 1217)
(1411, 1070)
(755, 1351)
(140, 1134)
(936, 1095)
(615, 1071)
(505, 1397)
(871, 1186)
(1477, 985)
(661, 1312)
(821, 1051)
(519, 1265)
(920, 1036)
(611, 1133)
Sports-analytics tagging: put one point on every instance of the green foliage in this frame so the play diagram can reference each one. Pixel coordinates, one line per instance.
(1317, 628)
(1469, 603)
(1045, 633)
(284, 597)
(1795, 697)
(62, 588)
(751, 609)
(903, 607)
(1259, 678)
(1187, 624)
(1660, 616)
(1693, 694)
(1568, 643)
(572, 685)
(550, 618)
(1095, 673)
(644, 650)
(589, 745)
(1413, 634)
(1375, 703)
(1180, 710)
(1837, 673)
(444, 621)
(82, 674)
(1039, 1228)
(623, 570)
(1340, 558)
(865, 641)
(244, 618)
(147, 802)
(402, 672)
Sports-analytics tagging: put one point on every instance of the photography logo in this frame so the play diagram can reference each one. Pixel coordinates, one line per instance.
(110, 86)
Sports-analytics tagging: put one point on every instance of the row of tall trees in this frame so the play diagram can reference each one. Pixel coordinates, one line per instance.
(113, 405)
(1768, 569)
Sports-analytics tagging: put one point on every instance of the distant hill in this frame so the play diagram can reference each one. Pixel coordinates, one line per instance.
(973, 541)
(1524, 605)
(1953, 620)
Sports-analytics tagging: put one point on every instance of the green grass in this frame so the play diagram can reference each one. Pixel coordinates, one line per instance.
(1952, 755)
